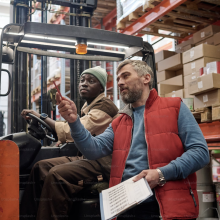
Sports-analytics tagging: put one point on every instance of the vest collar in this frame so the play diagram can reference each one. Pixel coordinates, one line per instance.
(126, 110)
(151, 98)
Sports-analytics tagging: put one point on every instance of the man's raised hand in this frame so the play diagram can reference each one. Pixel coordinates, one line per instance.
(67, 108)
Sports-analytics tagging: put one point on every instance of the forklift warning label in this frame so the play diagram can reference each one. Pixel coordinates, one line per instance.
(208, 197)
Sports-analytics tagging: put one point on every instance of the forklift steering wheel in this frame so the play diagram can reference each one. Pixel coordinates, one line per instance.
(33, 117)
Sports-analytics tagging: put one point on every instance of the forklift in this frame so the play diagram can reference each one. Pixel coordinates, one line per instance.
(19, 151)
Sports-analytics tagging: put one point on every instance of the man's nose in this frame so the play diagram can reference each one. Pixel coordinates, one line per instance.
(85, 83)
(120, 82)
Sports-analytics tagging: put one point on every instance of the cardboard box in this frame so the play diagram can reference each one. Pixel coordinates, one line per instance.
(213, 67)
(173, 63)
(195, 66)
(185, 48)
(206, 116)
(163, 55)
(209, 41)
(186, 94)
(205, 33)
(177, 93)
(180, 93)
(179, 72)
(176, 81)
(188, 79)
(165, 89)
(203, 71)
(217, 39)
(216, 113)
(202, 50)
(189, 103)
(164, 75)
(207, 99)
(186, 45)
(204, 84)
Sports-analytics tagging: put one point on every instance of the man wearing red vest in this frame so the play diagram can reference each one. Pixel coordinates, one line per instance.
(155, 138)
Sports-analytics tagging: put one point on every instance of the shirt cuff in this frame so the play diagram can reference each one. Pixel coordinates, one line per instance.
(168, 171)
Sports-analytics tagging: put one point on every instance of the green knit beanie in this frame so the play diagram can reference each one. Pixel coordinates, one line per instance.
(99, 73)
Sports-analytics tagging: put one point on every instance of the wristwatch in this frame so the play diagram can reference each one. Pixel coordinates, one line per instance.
(162, 180)
(43, 116)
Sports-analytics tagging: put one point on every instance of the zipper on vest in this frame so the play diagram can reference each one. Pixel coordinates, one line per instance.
(148, 161)
(191, 193)
(129, 150)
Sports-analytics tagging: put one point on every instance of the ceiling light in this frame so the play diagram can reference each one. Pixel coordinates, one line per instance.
(49, 38)
(107, 45)
(14, 33)
(47, 43)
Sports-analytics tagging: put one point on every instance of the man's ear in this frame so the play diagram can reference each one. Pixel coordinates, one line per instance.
(147, 79)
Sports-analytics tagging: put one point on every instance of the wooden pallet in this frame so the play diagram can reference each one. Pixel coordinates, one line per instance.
(216, 112)
(207, 114)
(188, 18)
(36, 90)
(133, 16)
(50, 81)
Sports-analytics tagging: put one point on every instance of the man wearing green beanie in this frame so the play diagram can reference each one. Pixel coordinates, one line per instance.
(99, 73)
(55, 182)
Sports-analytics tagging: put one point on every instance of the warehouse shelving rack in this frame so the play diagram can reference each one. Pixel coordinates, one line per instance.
(180, 17)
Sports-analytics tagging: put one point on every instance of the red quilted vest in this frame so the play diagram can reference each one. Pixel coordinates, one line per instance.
(164, 145)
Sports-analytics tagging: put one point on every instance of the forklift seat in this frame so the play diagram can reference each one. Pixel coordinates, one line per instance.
(87, 201)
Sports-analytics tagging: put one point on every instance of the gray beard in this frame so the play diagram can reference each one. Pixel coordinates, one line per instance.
(132, 96)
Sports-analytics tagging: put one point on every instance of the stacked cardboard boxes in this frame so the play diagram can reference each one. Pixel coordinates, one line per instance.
(186, 45)
(200, 70)
(208, 35)
(169, 72)
(179, 73)
(170, 76)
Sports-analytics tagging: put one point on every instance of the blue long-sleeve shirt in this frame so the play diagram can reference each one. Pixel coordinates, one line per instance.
(196, 153)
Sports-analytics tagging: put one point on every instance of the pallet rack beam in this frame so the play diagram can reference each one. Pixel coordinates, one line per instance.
(109, 21)
(211, 133)
(153, 15)
(108, 18)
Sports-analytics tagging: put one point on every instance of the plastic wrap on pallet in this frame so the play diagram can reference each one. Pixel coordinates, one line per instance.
(36, 77)
(129, 6)
(54, 66)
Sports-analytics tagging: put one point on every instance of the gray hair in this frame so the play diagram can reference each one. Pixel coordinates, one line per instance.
(140, 67)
